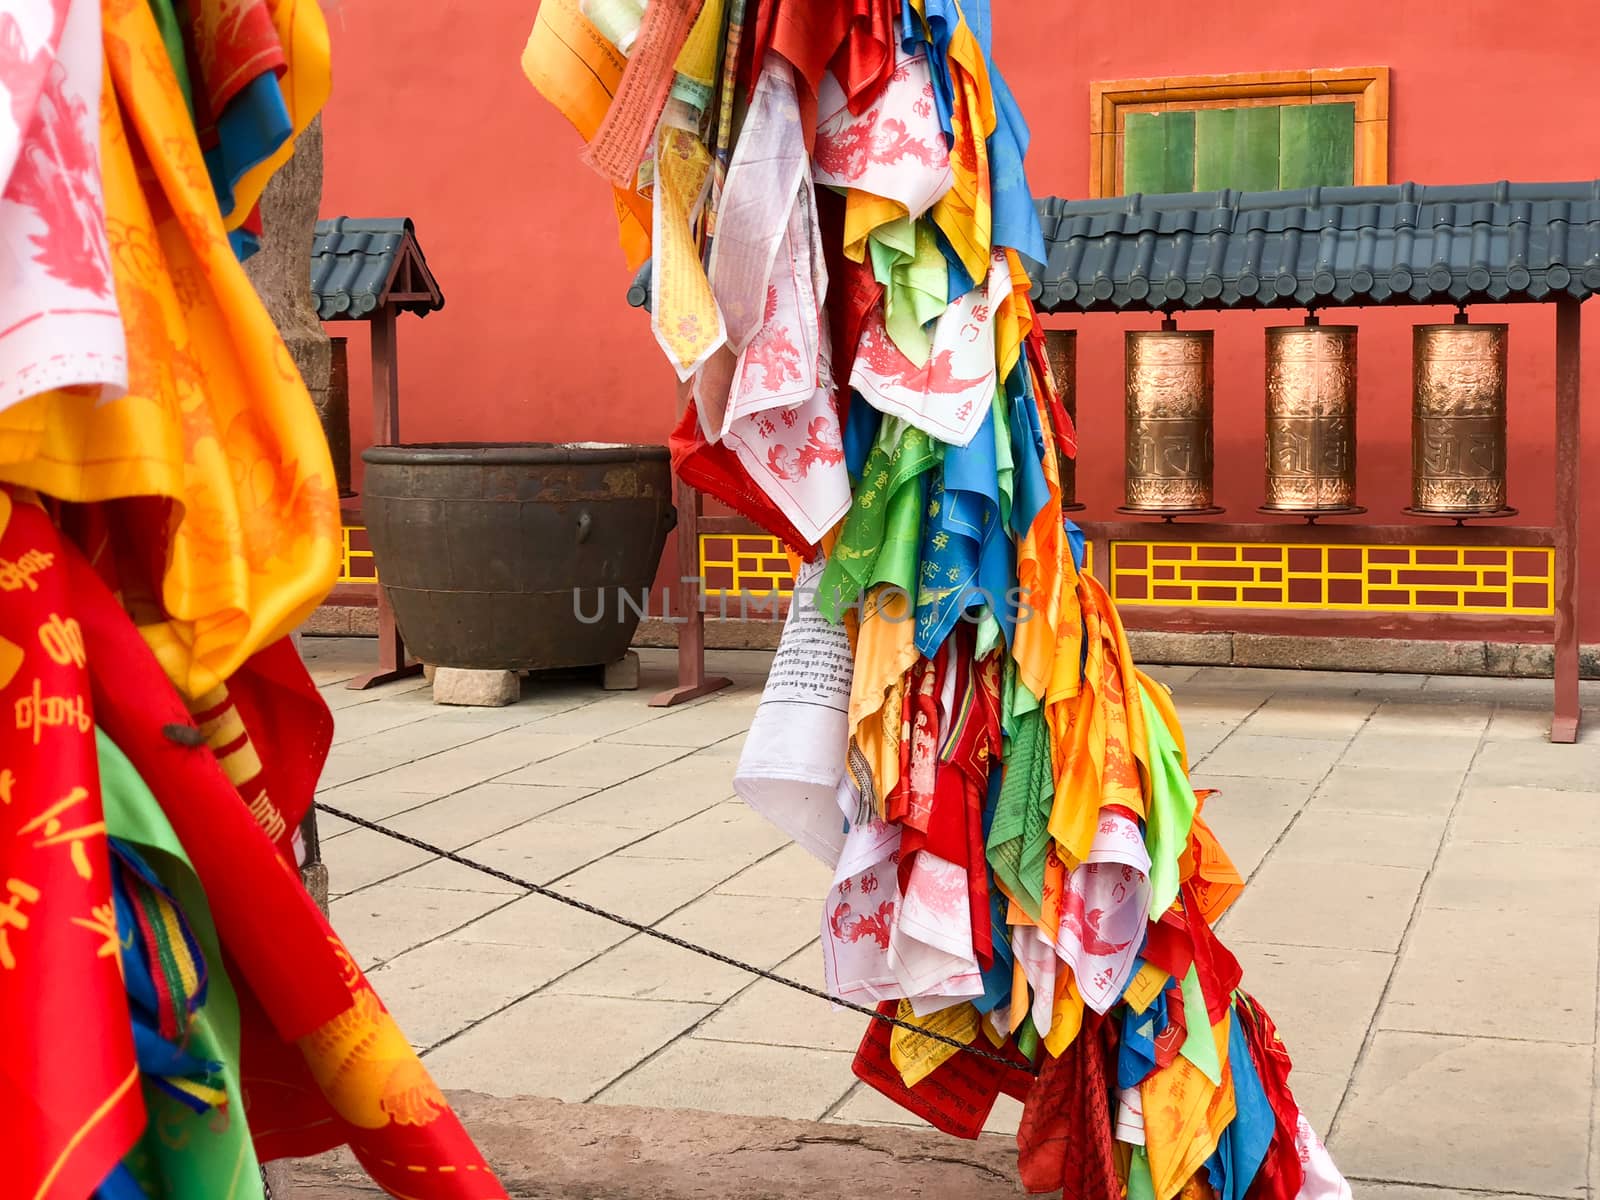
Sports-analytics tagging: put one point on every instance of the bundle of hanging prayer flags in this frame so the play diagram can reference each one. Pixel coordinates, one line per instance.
(168, 514)
(833, 199)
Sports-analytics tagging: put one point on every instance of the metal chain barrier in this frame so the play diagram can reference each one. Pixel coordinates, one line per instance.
(704, 951)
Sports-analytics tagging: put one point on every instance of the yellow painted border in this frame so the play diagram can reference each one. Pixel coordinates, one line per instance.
(351, 557)
(1546, 578)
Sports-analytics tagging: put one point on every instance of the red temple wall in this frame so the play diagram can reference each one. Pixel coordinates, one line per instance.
(432, 118)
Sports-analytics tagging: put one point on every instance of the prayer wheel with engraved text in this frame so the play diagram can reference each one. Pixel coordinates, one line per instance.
(1061, 352)
(1170, 382)
(1458, 419)
(1311, 419)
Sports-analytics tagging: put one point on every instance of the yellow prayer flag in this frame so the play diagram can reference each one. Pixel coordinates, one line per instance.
(916, 1057)
(574, 67)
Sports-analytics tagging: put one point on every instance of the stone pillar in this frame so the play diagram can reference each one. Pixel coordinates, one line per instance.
(281, 269)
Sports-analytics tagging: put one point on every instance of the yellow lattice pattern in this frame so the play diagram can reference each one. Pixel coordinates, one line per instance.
(732, 564)
(355, 560)
(735, 563)
(1493, 580)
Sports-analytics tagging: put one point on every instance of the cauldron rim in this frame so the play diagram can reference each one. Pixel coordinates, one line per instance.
(425, 454)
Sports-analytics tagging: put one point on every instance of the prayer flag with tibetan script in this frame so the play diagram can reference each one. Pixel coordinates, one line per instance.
(954, 723)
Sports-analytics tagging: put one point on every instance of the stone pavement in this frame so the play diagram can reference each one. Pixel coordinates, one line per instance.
(1422, 917)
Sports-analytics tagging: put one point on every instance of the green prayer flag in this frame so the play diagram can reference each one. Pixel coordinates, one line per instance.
(1172, 806)
(881, 538)
(194, 1156)
(1019, 836)
(1200, 1047)
(1028, 1039)
(1141, 1184)
(907, 260)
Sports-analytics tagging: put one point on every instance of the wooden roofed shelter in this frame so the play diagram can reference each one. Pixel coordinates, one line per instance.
(372, 269)
(1330, 248)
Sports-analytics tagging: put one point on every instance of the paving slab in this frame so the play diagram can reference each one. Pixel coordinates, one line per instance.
(1273, 756)
(1311, 715)
(1377, 839)
(790, 871)
(730, 833)
(1431, 716)
(584, 767)
(600, 715)
(1529, 816)
(1249, 813)
(770, 1014)
(1318, 1094)
(1321, 1000)
(444, 987)
(1528, 764)
(453, 877)
(375, 799)
(480, 811)
(1402, 790)
(693, 726)
(363, 857)
(733, 1077)
(645, 892)
(1203, 735)
(1498, 875)
(487, 757)
(1468, 971)
(559, 1046)
(366, 920)
(1342, 906)
(1469, 1113)
(761, 931)
(1372, 748)
(569, 936)
(544, 849)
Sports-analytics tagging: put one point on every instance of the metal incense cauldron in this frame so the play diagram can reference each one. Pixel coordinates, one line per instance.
(1311, 419)
(1458, 419)
(517, 556)
(1169, 376)
(1061, 352)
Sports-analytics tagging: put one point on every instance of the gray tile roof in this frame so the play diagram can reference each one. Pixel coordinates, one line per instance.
(358, 263)
(1406, 244)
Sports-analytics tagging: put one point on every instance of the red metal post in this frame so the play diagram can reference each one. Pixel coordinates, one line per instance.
(1569, 453)
(392, 655)
(688, 603)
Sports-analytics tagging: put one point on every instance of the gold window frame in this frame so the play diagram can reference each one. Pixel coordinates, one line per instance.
(1110, 102)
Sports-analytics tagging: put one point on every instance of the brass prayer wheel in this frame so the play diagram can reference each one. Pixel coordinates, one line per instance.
(1458, 419)
(1311, 418)
(1061, 352)
(1170, 382)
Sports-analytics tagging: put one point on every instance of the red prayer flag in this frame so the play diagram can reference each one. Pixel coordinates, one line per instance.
(324, 1063)
(1065, 1140)
(69, 1086)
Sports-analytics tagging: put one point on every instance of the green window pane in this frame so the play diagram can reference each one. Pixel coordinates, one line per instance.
(1236, 148)
(1158, 153)
(1317, 145)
